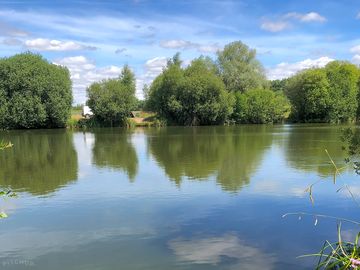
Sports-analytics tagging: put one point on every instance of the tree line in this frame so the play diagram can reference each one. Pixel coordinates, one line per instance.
(232, 89)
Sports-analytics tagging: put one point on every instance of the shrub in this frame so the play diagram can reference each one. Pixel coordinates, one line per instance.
(33, 93)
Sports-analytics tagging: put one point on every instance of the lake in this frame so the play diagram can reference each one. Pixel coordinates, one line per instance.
(171, 198)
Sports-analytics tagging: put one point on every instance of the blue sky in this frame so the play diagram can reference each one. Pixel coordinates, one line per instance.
(94, 39)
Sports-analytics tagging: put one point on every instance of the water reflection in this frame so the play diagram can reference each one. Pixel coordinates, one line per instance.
(305, 148)
(232, 154)
(99, 222)
(114, 149)
(39, 162)
(215, 250)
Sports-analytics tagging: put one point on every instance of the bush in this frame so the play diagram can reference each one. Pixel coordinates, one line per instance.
(112, 100)
(327, 94)
(343, 79)
(260, 106)
(191, 96)
(33, 93)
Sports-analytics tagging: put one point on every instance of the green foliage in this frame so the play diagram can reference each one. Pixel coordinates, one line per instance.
(5, 193)
(191, 96)
(239, 68)
(309, 94)
(327, 94)
(139, 105)
(260, 106)
(112, 100)
(4, 145)
(278, 85)
(343, 79)
(33, 93)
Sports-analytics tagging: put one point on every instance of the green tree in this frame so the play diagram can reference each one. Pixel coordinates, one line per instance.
(239, 68)
(343, 79)
(191, 96)
(278, 85)
(33, 92)
(260, 106)
(309, 94)
(112, 100)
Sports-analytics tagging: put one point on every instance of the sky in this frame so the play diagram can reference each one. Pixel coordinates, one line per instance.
(95, 39)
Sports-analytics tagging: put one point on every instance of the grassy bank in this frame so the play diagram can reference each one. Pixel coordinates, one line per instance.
(138, 119)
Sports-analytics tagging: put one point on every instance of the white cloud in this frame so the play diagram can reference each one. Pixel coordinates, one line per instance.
(84, 72)
(358, 16)
(283, 23)
(154, 67)
(307, 17)
(285, 70)
(275, 26)
(184, 44)
(212, 48)
(355, 49)
(43, 44)
(356, 59)
(177, 44)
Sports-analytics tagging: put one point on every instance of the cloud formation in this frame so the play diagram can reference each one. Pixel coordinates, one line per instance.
(285, 70)
(83, 72)
(284, 22)
(184, 44)
(355, 49)
(307, 17)
(356, 59)
(43, 44)
(275, 26)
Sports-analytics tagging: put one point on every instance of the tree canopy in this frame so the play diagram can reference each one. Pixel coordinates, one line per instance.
(260, 106)
(239, 68)
(112, 100)
(191, 96)
(326, 94)
(33, 92)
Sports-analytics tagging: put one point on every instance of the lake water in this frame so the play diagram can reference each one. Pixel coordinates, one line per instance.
(171, 198)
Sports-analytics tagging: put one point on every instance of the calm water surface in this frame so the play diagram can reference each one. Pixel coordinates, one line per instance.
(170, 198)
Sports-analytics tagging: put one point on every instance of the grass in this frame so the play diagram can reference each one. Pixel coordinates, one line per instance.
(338, 255)
(5, 193)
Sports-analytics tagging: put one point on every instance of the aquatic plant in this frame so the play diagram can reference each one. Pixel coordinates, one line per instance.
(339, 255)
(5, 193)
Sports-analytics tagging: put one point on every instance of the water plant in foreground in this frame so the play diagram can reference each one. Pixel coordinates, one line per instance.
(5, 193)
(339, 255)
